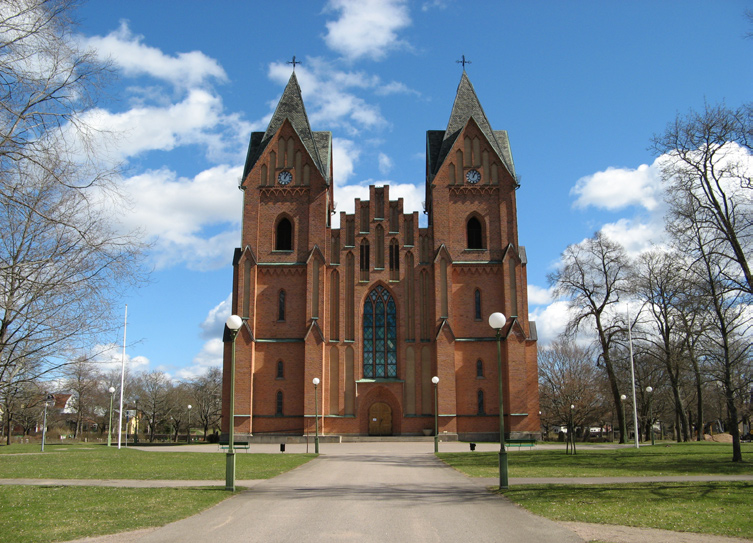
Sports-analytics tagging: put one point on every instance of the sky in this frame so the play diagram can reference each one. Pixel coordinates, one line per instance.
(581, 88)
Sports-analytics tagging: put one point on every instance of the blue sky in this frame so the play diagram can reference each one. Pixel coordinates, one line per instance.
(580, 87)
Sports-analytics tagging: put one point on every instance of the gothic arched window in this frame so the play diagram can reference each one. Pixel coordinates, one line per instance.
(379, 335)
(280, 370)
(479, 369)
(284, 235)
(278, 408)
(477, 304)
(365, 259)
(474, 234)
(281, 306)
(480, 398)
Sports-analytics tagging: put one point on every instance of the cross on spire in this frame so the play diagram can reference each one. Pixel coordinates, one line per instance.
(294, 62)
(463, 61)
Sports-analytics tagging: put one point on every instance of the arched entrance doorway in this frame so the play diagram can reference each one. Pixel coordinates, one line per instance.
(380, 419)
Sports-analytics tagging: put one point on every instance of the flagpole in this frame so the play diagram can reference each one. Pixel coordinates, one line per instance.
(122, 378)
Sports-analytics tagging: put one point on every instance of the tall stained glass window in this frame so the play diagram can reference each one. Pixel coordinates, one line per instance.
(379, 335)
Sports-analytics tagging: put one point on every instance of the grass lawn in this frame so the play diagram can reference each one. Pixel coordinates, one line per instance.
(708, 508)
(56, 513)
(36, 514)
(90, 461)
(712, 508)
(675, 459)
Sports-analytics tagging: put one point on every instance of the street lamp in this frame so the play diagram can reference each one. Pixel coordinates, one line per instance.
(47, 399)
(111, 390)
(435, 380)
(622, 404)
(497, 322)
(571, 432)
(234, 323)
(188, 437)
(650, 413)
(316, 415)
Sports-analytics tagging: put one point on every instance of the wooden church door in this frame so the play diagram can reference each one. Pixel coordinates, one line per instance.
(380, 419)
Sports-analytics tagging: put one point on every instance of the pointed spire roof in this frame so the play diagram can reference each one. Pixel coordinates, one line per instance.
(291, 108)
(465, 107)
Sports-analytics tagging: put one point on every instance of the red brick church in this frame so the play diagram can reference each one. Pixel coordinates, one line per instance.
(379, 306)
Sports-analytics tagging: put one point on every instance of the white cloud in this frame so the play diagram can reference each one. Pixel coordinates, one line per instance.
(210, 356)
(109, 357)
(212, 351)
(134, 58)
(395, 87)
(551, 320)
(150, 128)
(367, 28)
(214, 324)
(538, 295)
(616, 188)
(345, 154)
(636, 236)
(412, 195)
(172, 104)
(192, 221)
(385, 164)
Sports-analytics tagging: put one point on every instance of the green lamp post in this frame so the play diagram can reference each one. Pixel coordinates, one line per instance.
(435, 380)
(234, 323)
(188, 437)
(650, 413)
(316, 415)
(497, 322)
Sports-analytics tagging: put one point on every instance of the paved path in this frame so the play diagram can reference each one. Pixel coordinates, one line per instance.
(366, 498)
(373, 492)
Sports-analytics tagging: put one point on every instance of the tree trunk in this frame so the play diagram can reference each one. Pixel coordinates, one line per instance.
(612, 380)
(732, 419)
(699, 396)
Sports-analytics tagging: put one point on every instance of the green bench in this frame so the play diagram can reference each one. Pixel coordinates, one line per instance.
(225, 445)
(520, 442)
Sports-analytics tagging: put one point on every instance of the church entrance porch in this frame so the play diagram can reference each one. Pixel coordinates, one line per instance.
(380, 419)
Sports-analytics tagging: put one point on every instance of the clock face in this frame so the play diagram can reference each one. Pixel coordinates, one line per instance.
(473, 176)
(284, 178)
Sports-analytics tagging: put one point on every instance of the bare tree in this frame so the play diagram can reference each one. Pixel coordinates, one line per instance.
(83, 379)
(205, 391)
(63, 261)
(153, 389)
(594, 275)
(176, 407)
(728, 345)
(48, 84)
(569, 390)
(662, 286)
(708, 169)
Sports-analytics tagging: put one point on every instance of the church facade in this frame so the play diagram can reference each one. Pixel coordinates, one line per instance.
(379, 306)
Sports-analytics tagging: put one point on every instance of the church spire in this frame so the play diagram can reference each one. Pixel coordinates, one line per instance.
(465, 107)
(291, 107)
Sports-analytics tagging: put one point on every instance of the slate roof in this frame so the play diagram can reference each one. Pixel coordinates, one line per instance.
(466, 105)
(290, 107)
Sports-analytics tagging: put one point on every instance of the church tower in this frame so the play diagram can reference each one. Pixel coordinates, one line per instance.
(379, 306)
